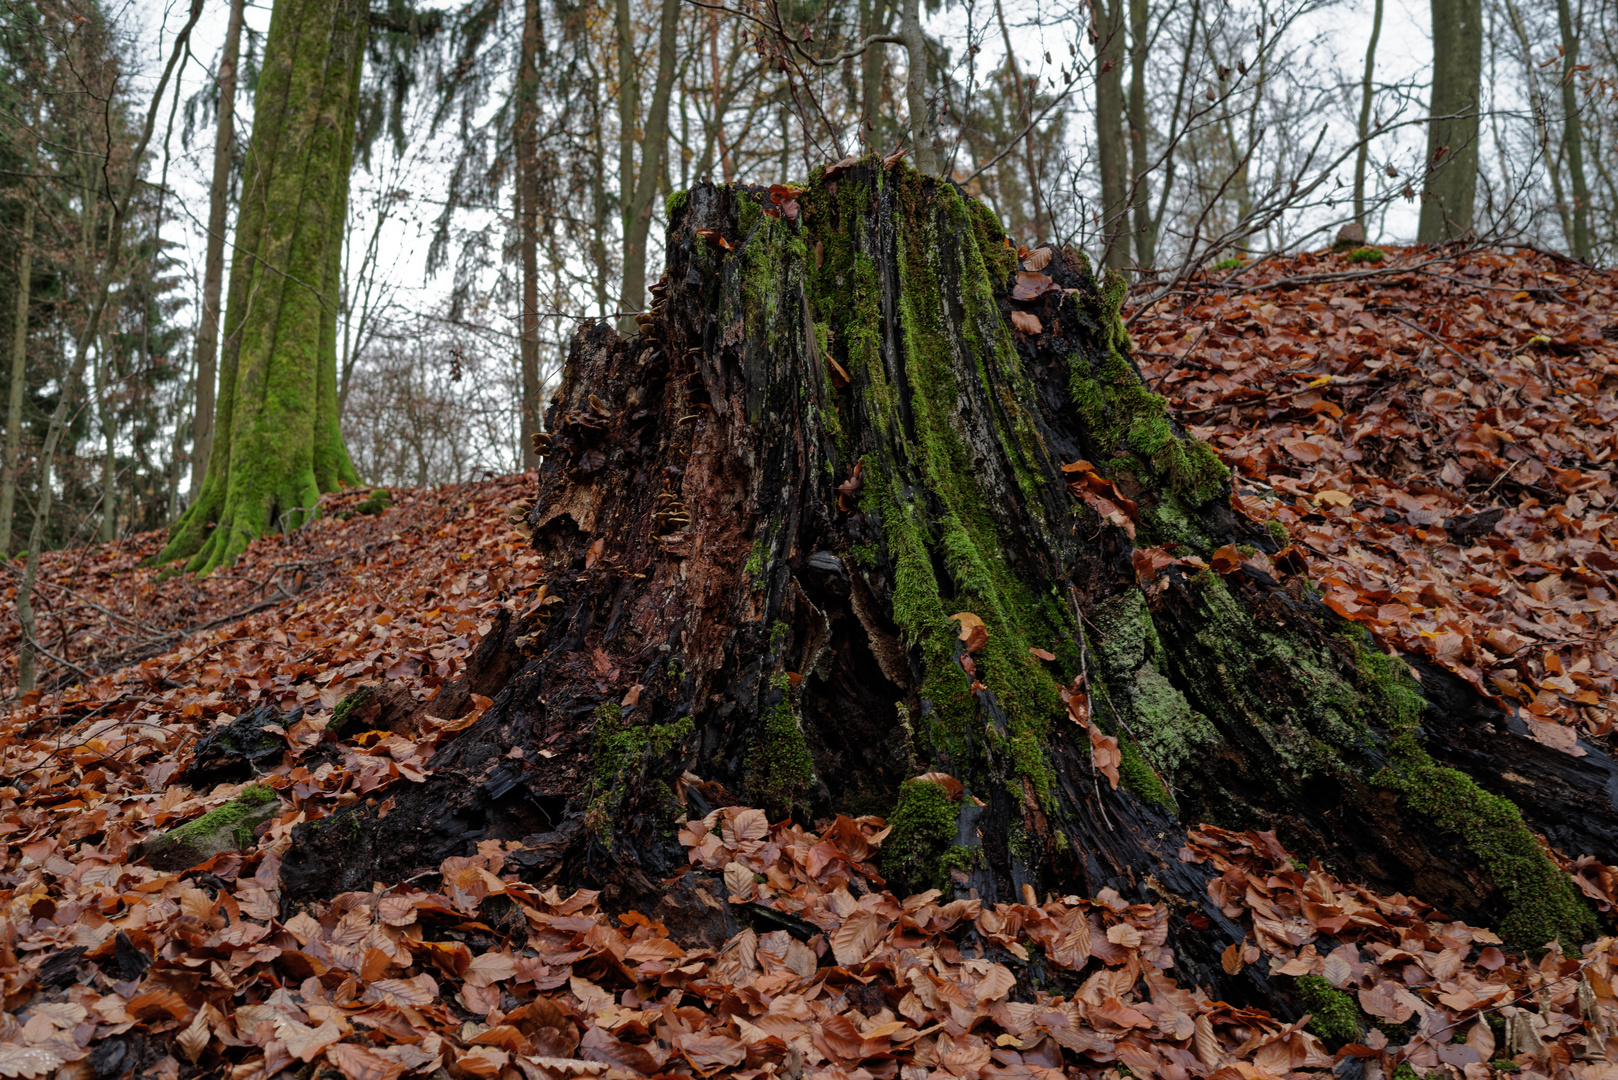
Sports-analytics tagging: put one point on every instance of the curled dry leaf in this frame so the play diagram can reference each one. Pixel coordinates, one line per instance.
(972, 631)
(1037, 259)
(1026, 322)
(952, 787)
(1032, 286)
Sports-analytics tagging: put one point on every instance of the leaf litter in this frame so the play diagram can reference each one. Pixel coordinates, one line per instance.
(1345, 427)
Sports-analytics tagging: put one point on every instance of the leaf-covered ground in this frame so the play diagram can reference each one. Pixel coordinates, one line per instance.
(1437, 435)
(1456, 388)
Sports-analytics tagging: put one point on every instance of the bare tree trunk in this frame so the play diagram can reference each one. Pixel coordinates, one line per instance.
(1024, 114)
(637, 190)
(104, 373)
(873, 72)
(1365, 116)
(1541, 118)
(727, 168)
(527, 141)
(1108, 31)
(26, 659)
(1572, 138)
(1452, 134)
(923, 131)
(213, 274)
(1139, 47)
(19, 376)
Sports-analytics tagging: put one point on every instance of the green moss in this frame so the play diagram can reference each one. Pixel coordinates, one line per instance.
(1169, 731)
(1232, 263)
(1505, 1065)
(1392, 698)
(620, 754)
(379, 500)
(1365, 255)
(1336, 1018)
(1543, 905)
(1128, 424)
(960, 858)
(1137, 777)
(344, 711)
(226, 828)
(998, 257)
(923, 834)
(1278, 533)
(1404, 1071)
(674, 204)
(748, 213)
(780, 768)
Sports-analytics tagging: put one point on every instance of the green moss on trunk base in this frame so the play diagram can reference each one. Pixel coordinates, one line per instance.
(619, 757)
(227, 828)
(344, 710)
(780, 768)
(1336, 1018)
(1543, 904)
(920, 849)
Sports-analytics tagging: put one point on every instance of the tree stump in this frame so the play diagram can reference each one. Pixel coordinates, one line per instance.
(814, 545)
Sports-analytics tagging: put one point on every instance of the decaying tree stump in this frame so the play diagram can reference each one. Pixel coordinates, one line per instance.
(760, 517)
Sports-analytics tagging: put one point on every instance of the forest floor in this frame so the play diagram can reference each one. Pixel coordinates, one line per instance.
(1434, 433)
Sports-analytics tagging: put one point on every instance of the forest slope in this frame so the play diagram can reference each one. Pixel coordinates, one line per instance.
(1431, 437)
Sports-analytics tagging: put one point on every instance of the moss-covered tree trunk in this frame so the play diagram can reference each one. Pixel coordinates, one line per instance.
(276, 440)
(762, 519)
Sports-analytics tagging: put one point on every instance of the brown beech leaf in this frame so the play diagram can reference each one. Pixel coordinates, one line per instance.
(713, 237)
(1037, 259)
(972, 630)
(838, 166)
(1226, 560)
(1149, 562)
(952, 787)
(1032, 286)
(358, 1063)
(1026, 322)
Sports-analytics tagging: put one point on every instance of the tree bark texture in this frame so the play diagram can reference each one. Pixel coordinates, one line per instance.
(1452, 134)
(19, 375)
(1364, 129)
(762, 518)
(637, 189)
(528, 197)
(213, 274)
(1572, 134)
(1140, 44)
(277, 444)
(923, 130)
(1112, 151)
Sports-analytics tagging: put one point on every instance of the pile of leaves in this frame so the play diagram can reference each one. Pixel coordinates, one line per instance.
(1433, 441)
(1401, 982)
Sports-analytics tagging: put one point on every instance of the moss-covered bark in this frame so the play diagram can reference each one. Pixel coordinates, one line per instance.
(276, 440)
(760, 517)
(227, 828)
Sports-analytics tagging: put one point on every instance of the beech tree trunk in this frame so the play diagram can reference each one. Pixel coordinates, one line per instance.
(276, 440)
(1112, 151)
(213, 275)
(762, 518)
(1452, 134)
